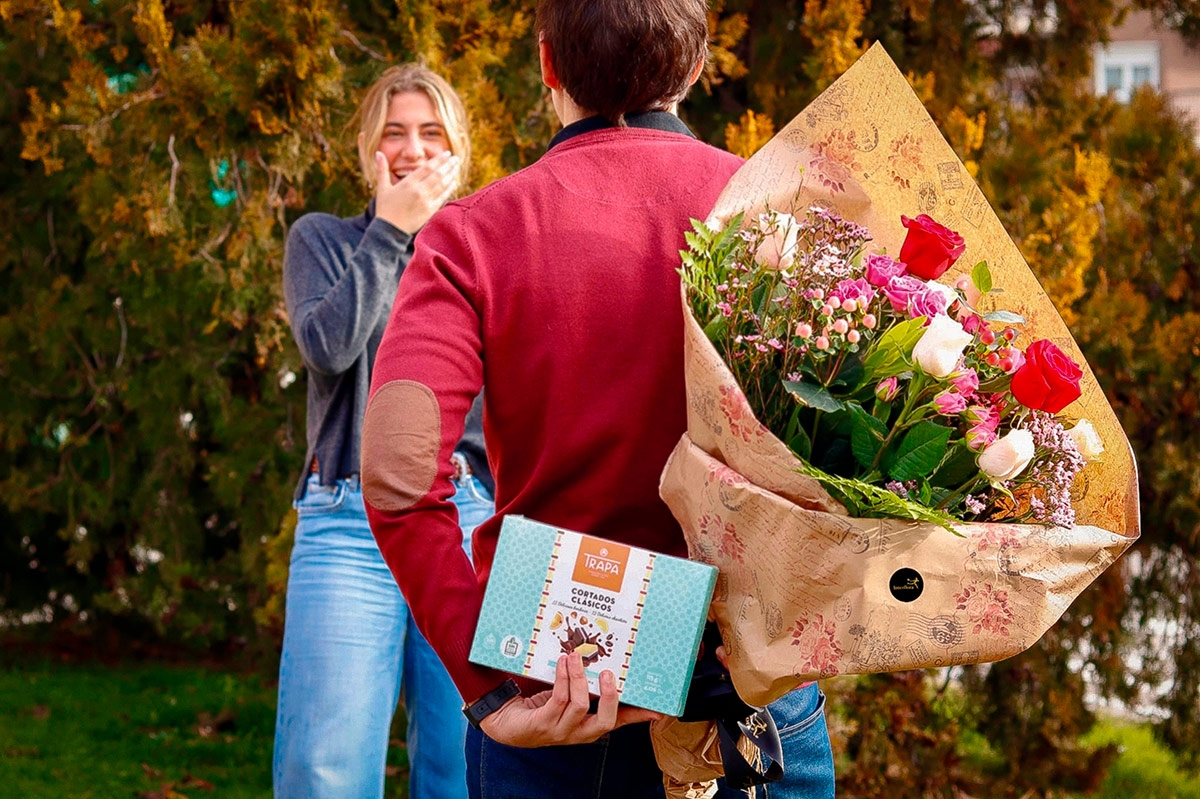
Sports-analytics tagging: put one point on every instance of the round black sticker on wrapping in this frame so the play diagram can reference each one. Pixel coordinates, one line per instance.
(906, 584)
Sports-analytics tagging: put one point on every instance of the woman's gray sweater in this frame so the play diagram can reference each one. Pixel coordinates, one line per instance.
(339, 281)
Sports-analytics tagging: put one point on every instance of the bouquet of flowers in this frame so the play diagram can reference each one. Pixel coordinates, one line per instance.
(871, 365)
(901, 395)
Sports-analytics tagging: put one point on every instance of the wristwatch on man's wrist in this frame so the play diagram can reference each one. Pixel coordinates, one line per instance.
(490, 702)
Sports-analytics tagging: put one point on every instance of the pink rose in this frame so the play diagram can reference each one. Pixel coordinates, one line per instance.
(858, 290)
(887, 389)
(972, 323)
(882, 268)
(949, 403)
(984, 416)
(909, 295)
(1016, 359)
(929, 247)
(965, 381)
(980, 436)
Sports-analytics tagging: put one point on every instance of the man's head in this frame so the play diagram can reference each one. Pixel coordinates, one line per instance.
(616, 57)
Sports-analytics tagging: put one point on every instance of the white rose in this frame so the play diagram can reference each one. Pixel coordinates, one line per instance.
(941, 346)
(777, 250)
(1007, 456)
(1087, 440)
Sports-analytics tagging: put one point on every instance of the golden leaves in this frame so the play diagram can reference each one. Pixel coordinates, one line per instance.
(749, 134)
(1062, 249)
(834, 27)
(153, 29)
(38, 143)
(724, 33)
(966, 134)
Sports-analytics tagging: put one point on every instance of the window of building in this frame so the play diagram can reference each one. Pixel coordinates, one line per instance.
(1121, 67)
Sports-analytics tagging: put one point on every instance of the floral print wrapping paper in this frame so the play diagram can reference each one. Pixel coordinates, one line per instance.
(804, 591)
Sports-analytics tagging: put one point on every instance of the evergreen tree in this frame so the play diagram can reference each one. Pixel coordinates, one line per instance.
(153, 425)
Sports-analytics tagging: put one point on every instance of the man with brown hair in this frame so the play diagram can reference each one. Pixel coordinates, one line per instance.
(556, 289)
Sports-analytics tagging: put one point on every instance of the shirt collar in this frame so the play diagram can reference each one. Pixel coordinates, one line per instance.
(652, 120)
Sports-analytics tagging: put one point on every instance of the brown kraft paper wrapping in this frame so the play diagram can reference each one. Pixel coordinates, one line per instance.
(804, 591)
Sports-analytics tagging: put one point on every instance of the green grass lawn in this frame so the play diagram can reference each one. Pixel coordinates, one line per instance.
(142, 731)
(158, 732)
(1144, 768)
(146, 731)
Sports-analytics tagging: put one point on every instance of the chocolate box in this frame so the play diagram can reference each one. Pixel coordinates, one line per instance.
(637, 613)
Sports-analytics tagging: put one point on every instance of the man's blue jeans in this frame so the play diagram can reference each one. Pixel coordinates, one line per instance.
(349, 645)
(621, 765)
(807, 754)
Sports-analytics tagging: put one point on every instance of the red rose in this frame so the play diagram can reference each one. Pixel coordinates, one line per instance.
(1048, 380)
(929, 247)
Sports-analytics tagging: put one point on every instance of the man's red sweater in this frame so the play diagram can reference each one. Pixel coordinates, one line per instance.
(556, 290)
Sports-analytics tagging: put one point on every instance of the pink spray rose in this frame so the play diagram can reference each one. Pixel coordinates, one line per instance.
(950, 403)
(965, 380)
(858, 290)
(911, 296)
(887, 389)
(882, 268)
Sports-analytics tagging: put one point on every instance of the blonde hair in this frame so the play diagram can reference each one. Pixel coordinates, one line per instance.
(372, 115)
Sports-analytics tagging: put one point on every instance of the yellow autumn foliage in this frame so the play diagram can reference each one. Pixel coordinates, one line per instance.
(748, 134)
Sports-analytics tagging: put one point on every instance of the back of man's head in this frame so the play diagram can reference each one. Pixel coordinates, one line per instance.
(617, 57)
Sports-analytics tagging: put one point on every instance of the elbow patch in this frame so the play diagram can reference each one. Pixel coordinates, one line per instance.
(401, 439)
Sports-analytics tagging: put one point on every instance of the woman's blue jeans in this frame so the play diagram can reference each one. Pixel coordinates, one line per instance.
(349, 645)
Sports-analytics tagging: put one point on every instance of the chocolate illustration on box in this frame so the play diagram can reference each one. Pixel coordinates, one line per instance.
(637, 613)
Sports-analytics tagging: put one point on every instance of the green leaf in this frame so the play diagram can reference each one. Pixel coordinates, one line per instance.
(850, 375)
(758, 299)
(957, 467)
(997, 385)
(715, 330)
(801, 444)
(813, 396)
(796, 436)
(864, 500)
(920, 451)
(866, 435)
(981, 276)
(890, 355)
(1004, 317)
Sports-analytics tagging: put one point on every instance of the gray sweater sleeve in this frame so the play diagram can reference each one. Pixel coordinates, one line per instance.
(336, 292)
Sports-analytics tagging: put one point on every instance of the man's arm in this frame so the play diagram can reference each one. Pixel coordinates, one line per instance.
(428, 369)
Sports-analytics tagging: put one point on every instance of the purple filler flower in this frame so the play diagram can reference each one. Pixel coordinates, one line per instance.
(1054, 470)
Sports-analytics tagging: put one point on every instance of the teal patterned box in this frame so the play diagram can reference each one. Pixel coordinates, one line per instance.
(635, 612)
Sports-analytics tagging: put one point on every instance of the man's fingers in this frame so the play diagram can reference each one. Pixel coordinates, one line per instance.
(560, 694)
(606, 709)
(627, 714)
(579, 687)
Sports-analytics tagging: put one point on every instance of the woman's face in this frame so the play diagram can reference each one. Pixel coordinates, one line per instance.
(412, 134)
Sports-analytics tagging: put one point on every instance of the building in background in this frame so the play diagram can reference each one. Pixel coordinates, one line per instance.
(1144, 52)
